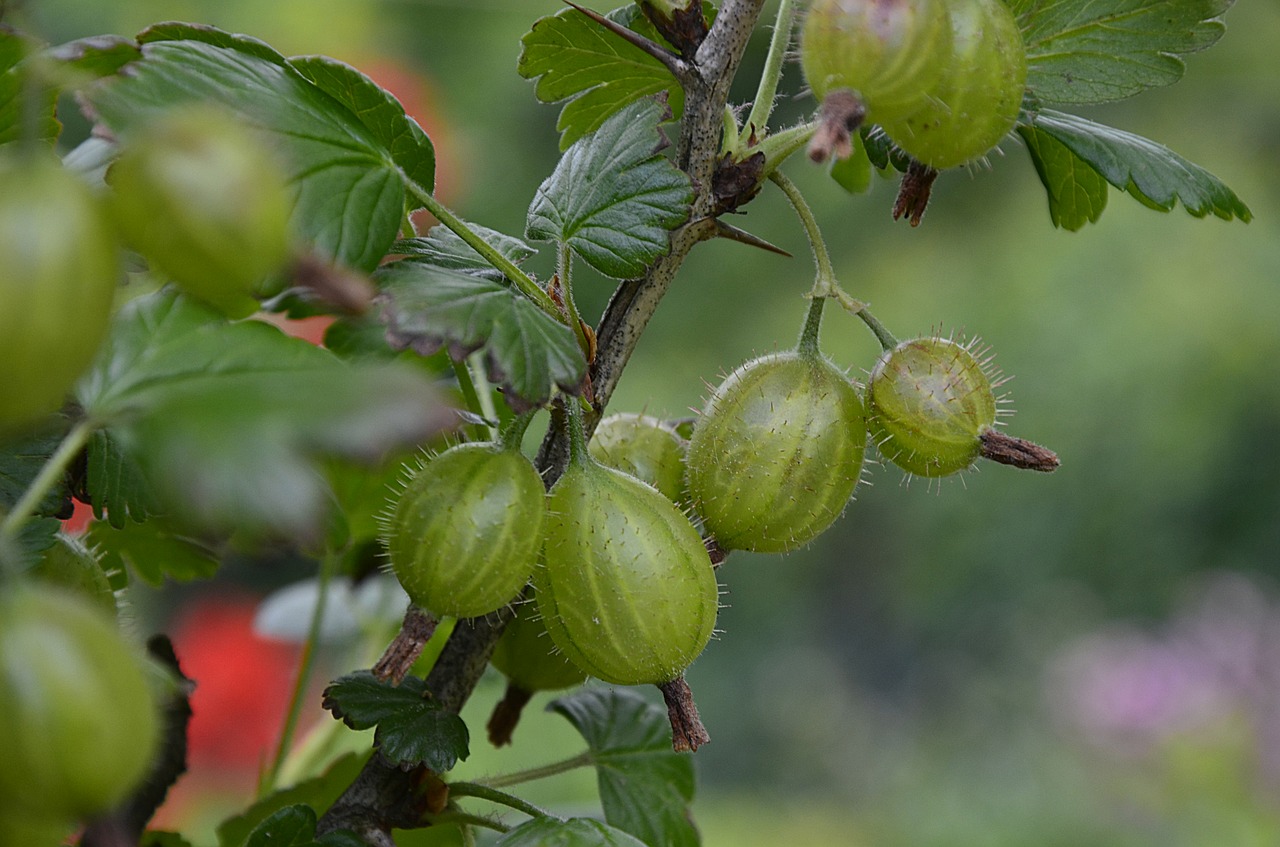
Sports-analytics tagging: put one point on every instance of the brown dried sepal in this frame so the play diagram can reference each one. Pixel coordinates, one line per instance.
(342, 288)
(687, 731)
(1018, 452)
(506, 714)
(841, 114)
(913, 195)
(685, 30)
(734, 182)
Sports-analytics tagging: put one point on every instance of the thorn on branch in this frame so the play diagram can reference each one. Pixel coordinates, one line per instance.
(841, 114)
(416, 630)
(913, 194)
(679, 68)
(732, 233)
(687, 731)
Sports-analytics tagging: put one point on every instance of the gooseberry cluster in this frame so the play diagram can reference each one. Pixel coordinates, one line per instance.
(943, 78)
(619, 551)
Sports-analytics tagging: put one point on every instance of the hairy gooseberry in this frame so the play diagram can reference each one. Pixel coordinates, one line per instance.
(70, 564)
(976, 101)
(198, 195)
(464, 535)
(81, 725)
(890, 53)
(929, 402)
(626, 588)
(777, 452)
(644, 447)
(58, 276)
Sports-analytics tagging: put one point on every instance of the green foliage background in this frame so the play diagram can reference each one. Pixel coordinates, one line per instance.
(888, 685)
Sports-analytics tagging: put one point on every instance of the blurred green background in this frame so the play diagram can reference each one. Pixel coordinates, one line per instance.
(1091, 657)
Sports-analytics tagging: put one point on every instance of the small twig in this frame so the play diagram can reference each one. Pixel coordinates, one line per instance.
(687, 731)
(418, 627)
(679, 68)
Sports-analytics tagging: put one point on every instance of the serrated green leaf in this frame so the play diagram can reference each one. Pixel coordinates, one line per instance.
(882, 152)
(853, 173)
(318, 793)
(411, 730)
(443, 248)
(574, 832)
(1097, 51)
(227, 420)
(1077, 193)
(613, 198)
(527, 351)
(349, 192)
(152, 552)
(20, 463)
(379, 111)
(645, 787)
(574, 57)
(1150, 172)
(292, 826)
(96, 56)
(116, 485)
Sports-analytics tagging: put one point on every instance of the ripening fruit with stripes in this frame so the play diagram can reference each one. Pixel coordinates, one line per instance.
(644, 447)
(777, 452)
(463, 536)
(626, 588)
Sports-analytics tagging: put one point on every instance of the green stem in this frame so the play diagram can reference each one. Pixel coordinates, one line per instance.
(825, 284)
(72, 443)
(808, 344)
(563, 266)
(581, 760)
(519, 278)
(470, 397)
(729, 139)
(463, 819)
(762, 108)
(779, 146)
(305, 663)
(513, 435)
(578, 454)
(493, 795)
(887, 341)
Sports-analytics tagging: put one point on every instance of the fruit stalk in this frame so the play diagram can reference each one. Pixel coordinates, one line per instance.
(687, 731)
(418, 627)
(762, 107)
(68, 449)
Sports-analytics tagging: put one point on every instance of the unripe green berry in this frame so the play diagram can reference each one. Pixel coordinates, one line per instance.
(976, 102)
(198, 195)
(777, 452)
(890, 53)
(58, 277)
(626, 589)
(526, 655)
(80, 722)
(464, 535)
(929, 402)
(644, 447)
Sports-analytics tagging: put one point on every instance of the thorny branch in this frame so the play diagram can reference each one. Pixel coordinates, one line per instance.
(383, 796)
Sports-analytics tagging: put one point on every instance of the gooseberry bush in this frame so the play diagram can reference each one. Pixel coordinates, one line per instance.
(224, 182)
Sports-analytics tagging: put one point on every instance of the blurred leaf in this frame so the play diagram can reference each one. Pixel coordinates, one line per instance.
(443, 248)
(853, 174)
(526, 349)
(20, 463)
(351, 610)
(613, 198)
(379, 111)
(341, 838)
(317, 793)
(292, 826)
(411, 728)
(1097, 51)
(645, 787)
(14, 81)
(116, 485)
(350, 195)
(225, 420)
(576, 59)
(575, 832)
(1150, 172)
(153, 552)
(1077, 193)
(96, 56)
